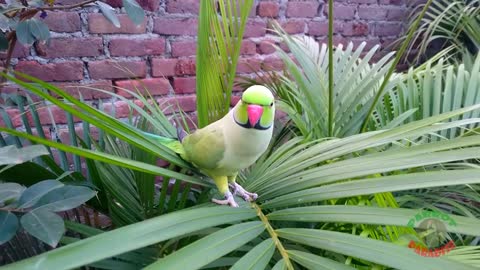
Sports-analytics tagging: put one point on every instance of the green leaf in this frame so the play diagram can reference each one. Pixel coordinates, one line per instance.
(4, 23)
(44, 225)
(12, 155)
(370, 215)
(134, 11)
(280, 265)
(315, 262)
(65, 198)
(211, 247)
(10, 191)
(8, 226)
(368, 249)
(132, 237)
(257, 258)
(34, 193)
(109, 13)
(27, 173)
(23, 33)
(39, 29)
(3, 42)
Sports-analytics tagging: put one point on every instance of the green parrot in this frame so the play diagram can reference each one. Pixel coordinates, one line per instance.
(223, 148)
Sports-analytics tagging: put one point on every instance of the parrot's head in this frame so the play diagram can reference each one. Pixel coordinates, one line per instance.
(256, 109)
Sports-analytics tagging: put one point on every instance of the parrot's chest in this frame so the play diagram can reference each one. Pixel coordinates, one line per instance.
(243, 147)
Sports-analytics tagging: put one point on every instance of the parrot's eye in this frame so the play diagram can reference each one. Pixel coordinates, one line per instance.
(271, 104)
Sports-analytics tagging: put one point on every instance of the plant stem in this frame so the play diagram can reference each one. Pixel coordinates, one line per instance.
(68, 6)
(400, 53)
(11, 47)
(274, 236)
(330, 68)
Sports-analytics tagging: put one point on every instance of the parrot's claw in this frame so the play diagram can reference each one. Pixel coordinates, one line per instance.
(247, 196)
(228, 200)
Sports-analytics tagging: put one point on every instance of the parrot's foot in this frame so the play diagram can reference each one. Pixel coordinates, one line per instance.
(247, 196)
(228, 200)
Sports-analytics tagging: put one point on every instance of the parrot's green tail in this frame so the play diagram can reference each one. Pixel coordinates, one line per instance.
(173, 144)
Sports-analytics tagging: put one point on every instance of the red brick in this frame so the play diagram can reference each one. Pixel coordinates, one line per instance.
(63, 22)
(249, 65)
(268, 9)
(163, 67)
(362, 1)
(266, 46)
(151, 5)
(109, 69)
(20, 51)
(337, 40)
(183, 6)
(396, 14)
(234, 100)
(184, 85)
(294, 26)
(14, 115)
(87, 90)
(388, 29)
(272, 63)
(186, 103)
(341, 12)
(97, 24)
(355, 29)
(59, 115)
(185, 66)
(255, 29)
(248, 47)
(122, 109)
(136, 47)
(372, 12)
(392, 2)
(62, 71)
(153, 86)
(302, 9)
(184, 48)
(73, 47)
(320, 28)
(175, 26)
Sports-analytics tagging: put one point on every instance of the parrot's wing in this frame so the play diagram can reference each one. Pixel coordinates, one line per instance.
(205, 147)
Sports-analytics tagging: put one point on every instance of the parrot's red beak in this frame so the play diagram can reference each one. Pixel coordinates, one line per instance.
(254, 114)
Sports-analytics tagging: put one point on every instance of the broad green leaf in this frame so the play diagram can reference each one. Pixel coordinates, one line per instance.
(4, 24)
(10, 191)
(132, 237)
(376, 251)
(109, 13)
(27, 173)
(315, 262)
(32, 194)
(39, 29)
(12, 155)
(23, 33)
(280, 265)
(3, 42)
(370, 215)
(44, 225)
(65, 198)
(134, 11)
(211, 247)
(8, 226)
(257, 258)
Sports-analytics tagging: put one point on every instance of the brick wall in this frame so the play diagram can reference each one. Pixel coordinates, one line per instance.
(86, 49)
